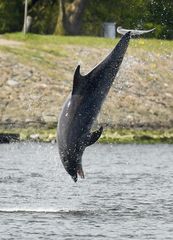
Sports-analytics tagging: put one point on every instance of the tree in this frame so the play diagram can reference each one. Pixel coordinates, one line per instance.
(70, 17)
(73, 17)
(44, 14)
(129, 14)
(11, 15)
(161, 17)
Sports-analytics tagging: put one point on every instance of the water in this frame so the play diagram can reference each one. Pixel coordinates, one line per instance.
(127, 193)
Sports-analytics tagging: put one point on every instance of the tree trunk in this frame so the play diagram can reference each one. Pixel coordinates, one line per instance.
(70, 17)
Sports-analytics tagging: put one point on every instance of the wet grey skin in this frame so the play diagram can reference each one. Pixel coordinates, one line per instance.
(82, 107)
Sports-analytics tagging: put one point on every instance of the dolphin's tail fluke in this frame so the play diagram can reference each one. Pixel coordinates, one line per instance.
(133, 32)
(106, 71)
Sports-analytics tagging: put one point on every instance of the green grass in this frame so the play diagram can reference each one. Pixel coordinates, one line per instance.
(44, 50)
(108, 136)
(60, 40)
(37, 41)
(137, 136)
(33, 134)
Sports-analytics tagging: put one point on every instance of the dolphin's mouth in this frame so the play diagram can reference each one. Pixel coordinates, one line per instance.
(80, 171)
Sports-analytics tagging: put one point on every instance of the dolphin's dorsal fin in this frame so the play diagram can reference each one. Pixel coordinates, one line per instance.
(76, 79)
(94, 136)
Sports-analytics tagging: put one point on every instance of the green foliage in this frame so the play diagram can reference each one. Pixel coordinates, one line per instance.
(44, 15)
(11, 15)
(129, 14)
(161, 17)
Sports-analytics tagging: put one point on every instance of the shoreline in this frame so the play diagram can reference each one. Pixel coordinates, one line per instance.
(121, 136)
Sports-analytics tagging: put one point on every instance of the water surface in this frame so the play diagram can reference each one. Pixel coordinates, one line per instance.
(127, 193)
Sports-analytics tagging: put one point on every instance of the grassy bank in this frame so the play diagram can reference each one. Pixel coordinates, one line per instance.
(108, 136)
(41, 50)
(36, 76)
(42, 40)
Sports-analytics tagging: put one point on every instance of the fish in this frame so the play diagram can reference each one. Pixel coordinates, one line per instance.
(133, 32)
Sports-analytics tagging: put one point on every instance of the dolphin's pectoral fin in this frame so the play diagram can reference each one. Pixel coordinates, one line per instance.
(77, 79)
(94, 136)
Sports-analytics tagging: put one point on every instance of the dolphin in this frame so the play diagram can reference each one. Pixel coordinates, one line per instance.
(82, 106)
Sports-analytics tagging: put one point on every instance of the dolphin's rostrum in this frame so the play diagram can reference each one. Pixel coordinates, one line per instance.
(82, 107)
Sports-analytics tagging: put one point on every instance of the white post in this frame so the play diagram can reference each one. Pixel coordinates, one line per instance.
(25, 16)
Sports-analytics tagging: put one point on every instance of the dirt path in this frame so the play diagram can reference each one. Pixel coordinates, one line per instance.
(5, 42)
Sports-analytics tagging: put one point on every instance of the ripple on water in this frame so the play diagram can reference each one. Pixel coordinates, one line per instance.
(127, 193)
(11, 179)
(65, 211)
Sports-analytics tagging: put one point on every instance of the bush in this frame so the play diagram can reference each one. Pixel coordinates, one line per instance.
(128, 14)
(11, 15)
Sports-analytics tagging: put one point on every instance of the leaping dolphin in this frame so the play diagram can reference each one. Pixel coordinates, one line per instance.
(82, 107)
